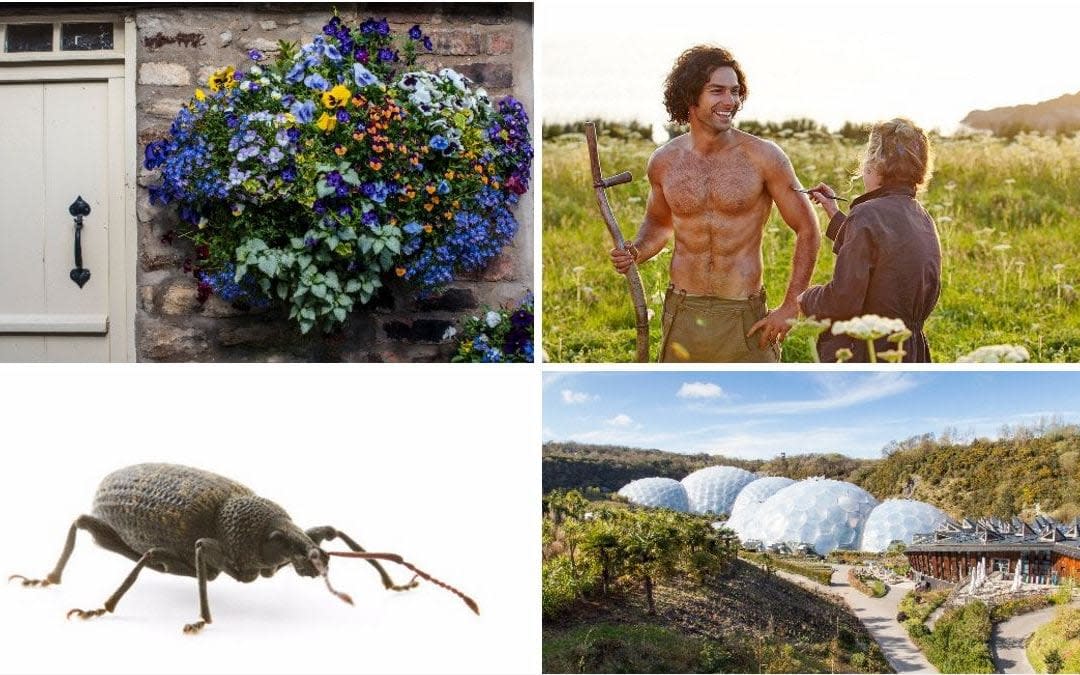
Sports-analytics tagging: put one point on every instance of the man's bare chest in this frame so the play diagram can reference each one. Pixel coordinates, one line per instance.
(696, 189)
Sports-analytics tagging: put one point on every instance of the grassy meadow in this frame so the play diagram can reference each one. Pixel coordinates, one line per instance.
(1008, 216)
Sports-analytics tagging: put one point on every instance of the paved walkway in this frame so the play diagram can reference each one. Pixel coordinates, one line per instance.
(879, 617)
(1008, 638)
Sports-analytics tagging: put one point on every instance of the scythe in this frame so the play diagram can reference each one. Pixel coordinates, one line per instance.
(633, 277)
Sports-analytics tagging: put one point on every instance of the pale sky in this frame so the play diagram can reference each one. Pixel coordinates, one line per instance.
(830, 61)
(757, 415)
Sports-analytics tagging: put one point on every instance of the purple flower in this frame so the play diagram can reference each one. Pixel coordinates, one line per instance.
(345, 211)
(386, 54)
(156, 153)
(256, 55)
(342, 116)
(361, 55)
(415, 33)
(288, 174)
(427, 43)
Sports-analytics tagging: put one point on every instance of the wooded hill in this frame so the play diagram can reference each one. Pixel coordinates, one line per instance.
(1027, 470)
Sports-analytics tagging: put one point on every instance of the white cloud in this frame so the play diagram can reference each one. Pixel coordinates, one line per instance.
(836, 393)
(620, 420)
(700, 390)
(571, 397)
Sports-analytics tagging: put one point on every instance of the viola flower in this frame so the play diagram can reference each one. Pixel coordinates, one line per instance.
(303, 111)
(316, 81)
(438, 142)
(337, 97)
(255, 55)
(343, 117)
(288, 174)
(222, 79)
(415, 33)
(387, 54)
(327, 122)
(362, 76)
(361, 55)
(427, 43)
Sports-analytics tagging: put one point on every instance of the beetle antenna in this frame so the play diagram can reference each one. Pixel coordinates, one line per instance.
(324, 570)
(395, 558)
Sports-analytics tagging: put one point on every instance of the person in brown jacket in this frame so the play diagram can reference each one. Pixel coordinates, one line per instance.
(888, 259)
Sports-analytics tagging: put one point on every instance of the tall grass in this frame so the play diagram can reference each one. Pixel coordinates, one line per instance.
(1008, 218)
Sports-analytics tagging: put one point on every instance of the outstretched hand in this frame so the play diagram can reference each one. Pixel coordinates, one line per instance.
(825, 197)
(774, 327)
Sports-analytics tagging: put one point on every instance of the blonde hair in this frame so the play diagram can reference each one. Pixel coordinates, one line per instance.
(899, 152)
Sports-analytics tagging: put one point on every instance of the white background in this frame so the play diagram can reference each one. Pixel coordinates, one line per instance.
(436, 463)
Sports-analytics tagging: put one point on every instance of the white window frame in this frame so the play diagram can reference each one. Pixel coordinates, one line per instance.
(58, 55)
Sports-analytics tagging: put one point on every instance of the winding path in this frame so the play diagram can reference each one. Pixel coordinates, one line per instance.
(1008, 638)
(878, 615)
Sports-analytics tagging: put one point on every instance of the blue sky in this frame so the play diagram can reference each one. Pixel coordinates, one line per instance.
(756, 415)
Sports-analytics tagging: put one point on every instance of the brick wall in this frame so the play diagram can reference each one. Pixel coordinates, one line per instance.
(178, 48)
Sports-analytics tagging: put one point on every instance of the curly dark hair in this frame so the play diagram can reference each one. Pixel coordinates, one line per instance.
(690, 73)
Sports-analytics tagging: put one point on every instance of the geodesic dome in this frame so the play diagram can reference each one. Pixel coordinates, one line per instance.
(827, 514)
(666, 493)
(714, 488)
(899, 519)
(757, 492)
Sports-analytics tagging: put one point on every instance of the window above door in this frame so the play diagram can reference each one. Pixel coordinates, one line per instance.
(75, 38)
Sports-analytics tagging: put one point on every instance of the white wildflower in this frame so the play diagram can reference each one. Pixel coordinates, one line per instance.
(492, 319)
(868, 327)
(996, 354)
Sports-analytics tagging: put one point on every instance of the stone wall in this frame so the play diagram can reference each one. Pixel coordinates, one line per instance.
(179, 46)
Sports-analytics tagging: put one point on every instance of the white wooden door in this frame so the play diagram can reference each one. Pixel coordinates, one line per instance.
(62, 137)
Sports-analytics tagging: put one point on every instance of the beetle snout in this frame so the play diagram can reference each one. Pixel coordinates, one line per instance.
(313, 564)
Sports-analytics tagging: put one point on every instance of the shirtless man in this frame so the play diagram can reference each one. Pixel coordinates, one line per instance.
(713, 189)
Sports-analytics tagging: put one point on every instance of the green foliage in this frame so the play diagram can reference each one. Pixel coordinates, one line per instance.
(622, 131)
(960, 641)
(819, 572)
(1017, 606)
(1005, 213)
(560, 586)
(1060, 636)
(866, 584)
(502, 335)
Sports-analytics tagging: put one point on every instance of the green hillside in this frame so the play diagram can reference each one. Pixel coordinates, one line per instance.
(1027, 470)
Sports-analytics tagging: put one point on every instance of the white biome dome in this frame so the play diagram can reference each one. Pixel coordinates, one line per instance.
(827, 514)
(899, 520)
(714, 488)
(757, 492)
(666, 493)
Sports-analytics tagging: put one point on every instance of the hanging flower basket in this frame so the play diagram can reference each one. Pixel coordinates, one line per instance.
(313, 179)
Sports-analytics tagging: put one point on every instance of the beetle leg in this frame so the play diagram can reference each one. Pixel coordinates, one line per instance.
(325, 532)
(103, 534)
(208, 553)
(152, 556)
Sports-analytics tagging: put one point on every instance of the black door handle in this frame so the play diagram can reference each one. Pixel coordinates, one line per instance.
(78, 209)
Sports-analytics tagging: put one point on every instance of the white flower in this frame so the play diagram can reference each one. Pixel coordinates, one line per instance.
(492, 319)
(868, 327)
(449, 333)
(255, 70)
(996, 354)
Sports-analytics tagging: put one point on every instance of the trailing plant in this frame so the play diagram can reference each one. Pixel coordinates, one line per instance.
(314, 179)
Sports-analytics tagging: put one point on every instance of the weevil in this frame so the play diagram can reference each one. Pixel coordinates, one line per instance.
(189, 522)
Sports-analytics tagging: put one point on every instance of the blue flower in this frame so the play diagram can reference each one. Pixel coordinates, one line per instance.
(255, 55)
(438, 142)
(363, 76)
(415, 33)
(296, 73)
(444, 187)
(304, 111)
(387, 54)
(331, 52)
(156, 154)
(288, 174)
(316, 81)
(342, 116)
(427, 43)
(413, 227)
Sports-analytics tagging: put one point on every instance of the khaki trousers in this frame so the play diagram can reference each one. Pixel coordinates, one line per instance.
(706, 329)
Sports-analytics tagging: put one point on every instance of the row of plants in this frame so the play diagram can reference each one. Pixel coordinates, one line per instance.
(817, 572)
(866, 584)
(589, 548)
(315, 179)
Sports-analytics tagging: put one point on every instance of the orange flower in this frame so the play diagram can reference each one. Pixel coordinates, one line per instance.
(428, 207)
(428, 228)
(430, 189)
(339, 150)
(400, 271)
(358, 136)
(449, 175)
(375, 165)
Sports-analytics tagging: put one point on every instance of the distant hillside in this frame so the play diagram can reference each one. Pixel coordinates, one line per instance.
(1019, 474)
(1059, 115)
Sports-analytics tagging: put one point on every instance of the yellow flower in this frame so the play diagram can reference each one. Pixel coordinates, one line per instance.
(327, 122)
(222, 78)
(290, 118)
(200, 95)
(338, 97)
